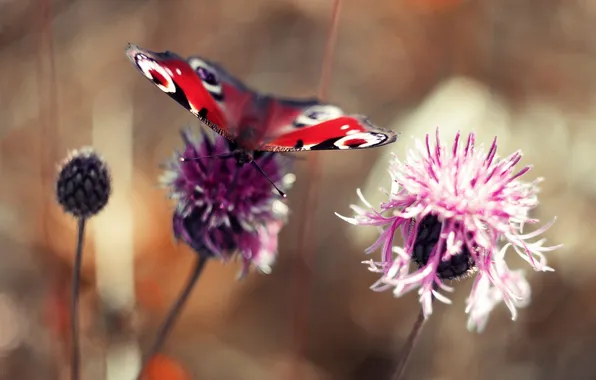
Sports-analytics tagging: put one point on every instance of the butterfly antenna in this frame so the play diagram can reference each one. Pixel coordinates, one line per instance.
(223, 155)
(253, 163)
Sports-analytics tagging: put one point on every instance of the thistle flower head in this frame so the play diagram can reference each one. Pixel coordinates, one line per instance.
(223, 208)
(83, 185)
(459, 209)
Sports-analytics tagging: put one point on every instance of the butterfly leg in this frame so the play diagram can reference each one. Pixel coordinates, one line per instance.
(223, 155)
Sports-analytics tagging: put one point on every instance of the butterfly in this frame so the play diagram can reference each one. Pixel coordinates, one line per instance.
(254, 122)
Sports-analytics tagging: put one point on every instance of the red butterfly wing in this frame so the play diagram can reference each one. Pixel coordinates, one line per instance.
(258, 116)
(253, 120)
(174, 76)
(284, 114)
(232, 96)
(309, 125)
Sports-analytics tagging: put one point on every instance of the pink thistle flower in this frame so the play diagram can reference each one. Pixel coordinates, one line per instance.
(455, 208)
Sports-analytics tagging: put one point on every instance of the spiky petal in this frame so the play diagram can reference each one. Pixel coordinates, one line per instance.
(223, 209)
(455, 207)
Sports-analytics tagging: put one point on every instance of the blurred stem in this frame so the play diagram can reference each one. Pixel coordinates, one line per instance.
(329, 52)
(306, 231)
(48, 107)
(498, 30)
(168, 324)
(76, 278)
(404, 357)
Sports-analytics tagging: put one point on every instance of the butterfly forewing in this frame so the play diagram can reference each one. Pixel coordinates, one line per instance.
(174, 76)
(232, 96)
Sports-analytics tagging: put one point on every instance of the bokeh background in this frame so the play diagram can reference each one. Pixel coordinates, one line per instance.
(522, 70)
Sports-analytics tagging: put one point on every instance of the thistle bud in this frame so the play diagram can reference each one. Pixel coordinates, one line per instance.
(83, 185)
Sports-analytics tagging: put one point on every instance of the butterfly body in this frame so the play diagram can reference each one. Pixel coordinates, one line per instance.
(248, 134)
(253, 121)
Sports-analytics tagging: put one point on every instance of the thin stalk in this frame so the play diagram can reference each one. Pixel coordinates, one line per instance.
(74, 324)
(404, 358)
(168, 324)
(496, 48)
(306, 232)
(329, 52)
(48, 114)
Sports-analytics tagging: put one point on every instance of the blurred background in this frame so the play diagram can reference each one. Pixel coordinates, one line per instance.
(521, 70)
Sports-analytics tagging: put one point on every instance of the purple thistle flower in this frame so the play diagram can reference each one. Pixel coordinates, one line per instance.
(223, 208)
(455, 208)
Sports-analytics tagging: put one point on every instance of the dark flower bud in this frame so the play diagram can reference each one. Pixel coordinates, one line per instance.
(83, 184)
(456, 266)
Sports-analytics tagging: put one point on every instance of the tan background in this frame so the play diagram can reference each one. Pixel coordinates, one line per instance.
(523, 70)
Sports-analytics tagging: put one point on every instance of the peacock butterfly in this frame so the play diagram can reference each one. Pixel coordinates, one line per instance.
(252, 121)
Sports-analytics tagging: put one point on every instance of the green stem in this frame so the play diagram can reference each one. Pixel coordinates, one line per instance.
(168, 324)
(306, 233)
(409, 347)
(76, 276)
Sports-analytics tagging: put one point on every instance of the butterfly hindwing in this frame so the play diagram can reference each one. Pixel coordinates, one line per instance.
(296, 125)
(344, 132)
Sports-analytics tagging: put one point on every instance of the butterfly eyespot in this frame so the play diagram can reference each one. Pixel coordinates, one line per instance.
(208, 75)
(155, 73)
(157, 78)
(317, 114)
(360, 140)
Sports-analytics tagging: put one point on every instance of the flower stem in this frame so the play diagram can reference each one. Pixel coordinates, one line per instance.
(306, 231)
(48, 107)
(74, 324)
(166, 327)
(409, 347)
(329, 52)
